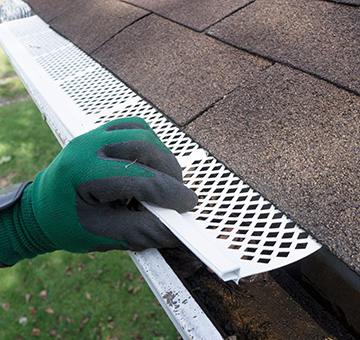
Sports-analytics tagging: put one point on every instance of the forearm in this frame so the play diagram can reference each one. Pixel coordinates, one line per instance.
(20, 235)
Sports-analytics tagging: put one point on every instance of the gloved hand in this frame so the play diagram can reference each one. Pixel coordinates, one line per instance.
(80, 202)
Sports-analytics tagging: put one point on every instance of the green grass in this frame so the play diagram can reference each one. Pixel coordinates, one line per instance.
(26, 143)
(62, 295)
(5, 68)
(87, 296)
(11, 88)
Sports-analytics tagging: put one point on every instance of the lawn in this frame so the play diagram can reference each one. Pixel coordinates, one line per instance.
(63, 295)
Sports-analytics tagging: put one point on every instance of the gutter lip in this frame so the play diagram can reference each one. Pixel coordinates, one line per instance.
(333, 284)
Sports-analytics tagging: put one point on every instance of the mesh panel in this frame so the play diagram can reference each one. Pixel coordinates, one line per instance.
(236, 218)
(240, 217)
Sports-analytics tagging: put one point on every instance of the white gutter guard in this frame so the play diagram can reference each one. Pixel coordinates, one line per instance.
(233, 230)
(18, 38)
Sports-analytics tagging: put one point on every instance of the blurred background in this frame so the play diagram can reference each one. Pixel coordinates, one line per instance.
(62, 295)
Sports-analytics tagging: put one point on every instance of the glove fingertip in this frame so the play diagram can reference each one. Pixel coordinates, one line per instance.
(189, 200)
(126, 124)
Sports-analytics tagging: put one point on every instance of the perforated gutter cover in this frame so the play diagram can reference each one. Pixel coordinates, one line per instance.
(233, 230)
(18, 38)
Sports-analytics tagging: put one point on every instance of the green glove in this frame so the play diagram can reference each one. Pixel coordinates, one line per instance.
(83, 200)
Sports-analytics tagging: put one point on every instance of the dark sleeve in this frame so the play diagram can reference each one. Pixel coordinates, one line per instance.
(9, 197)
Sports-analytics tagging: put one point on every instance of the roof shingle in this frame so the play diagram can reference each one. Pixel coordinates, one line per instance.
(180, 71)
(98, 22)
(196, 14)
(296, 139)
(316, 36)
(48, 10)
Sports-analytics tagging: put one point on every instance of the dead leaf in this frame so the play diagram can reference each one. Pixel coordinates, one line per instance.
(83, 322)
(68, 271)
(23, 320)
(43, 294)
(53, 332)
(28, 297)
(88, 296)
(5, 181)
(35, 332)
(5, 159)
(151, 315)
(49, 311)
(69, 320)
(117, 285)
(5, 306)
(32, 310)
(129, 276)
(91, 256)
(134, 290)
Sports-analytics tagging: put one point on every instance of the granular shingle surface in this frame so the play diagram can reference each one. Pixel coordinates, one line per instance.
(48, 10)
(316, 36)
(296, 139)
(182, 72)
(196, 14)
(99, 21)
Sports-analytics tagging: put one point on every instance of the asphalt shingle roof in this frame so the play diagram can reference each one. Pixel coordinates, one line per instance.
(192, 13)
(317, 36)
(183, 72)
(270, 87)
(108, 18)
(49, 10)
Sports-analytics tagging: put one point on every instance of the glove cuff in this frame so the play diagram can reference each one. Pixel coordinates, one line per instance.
(20, 234)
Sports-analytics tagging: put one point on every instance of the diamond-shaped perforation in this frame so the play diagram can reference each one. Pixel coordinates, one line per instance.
(170, 135)
(96, 92)
(66, 62)
(43, 43)
(239, 220)
(239, 216)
